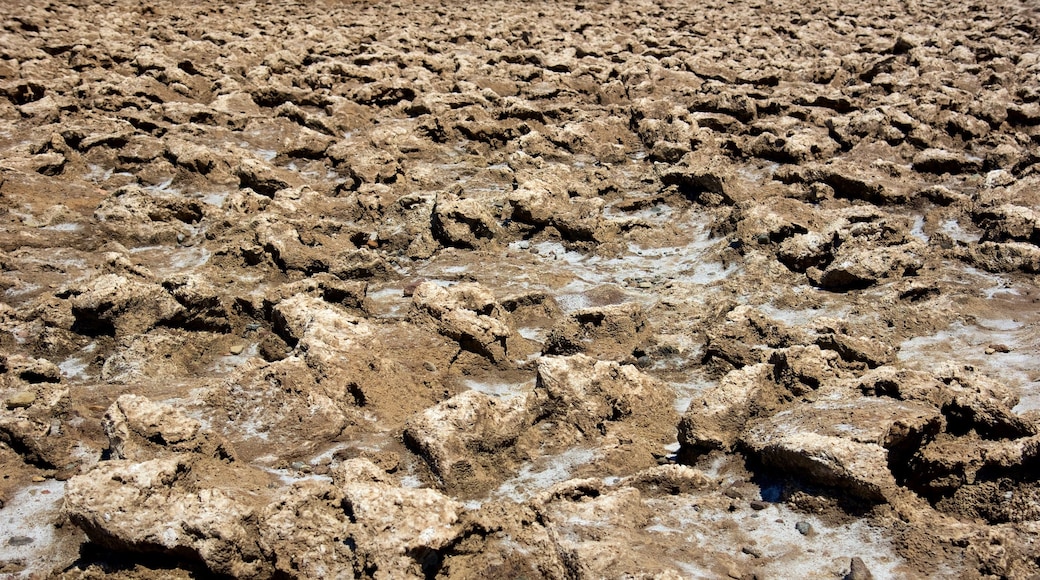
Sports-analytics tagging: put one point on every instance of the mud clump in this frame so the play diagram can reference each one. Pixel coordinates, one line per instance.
(448, 290)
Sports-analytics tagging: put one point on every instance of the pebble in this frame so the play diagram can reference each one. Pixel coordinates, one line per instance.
(388, 461)
(39, 479)
(804, 528)
(19, 541)
(430, 366)
(236, 349)
(752, 551)
(858, 570)
(645, 285)
(734, 572)
(409, 288)
(21, 400)
(66, 474)
(759, 505)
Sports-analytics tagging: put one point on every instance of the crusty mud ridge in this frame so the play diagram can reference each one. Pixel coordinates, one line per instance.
(450, 290)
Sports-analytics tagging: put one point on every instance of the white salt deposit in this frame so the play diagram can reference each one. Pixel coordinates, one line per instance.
(965, 343)
(229, 362)
(27, 532)
(74, 368)
(785, 552)
(544, 472)
(501, 389)
(169, 260)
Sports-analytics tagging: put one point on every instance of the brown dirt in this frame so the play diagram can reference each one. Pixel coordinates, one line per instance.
(574, 290)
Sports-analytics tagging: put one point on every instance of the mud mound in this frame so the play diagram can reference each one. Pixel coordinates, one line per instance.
(455, 290)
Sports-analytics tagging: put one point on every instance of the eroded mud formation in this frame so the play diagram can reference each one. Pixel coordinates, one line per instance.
(454, 290)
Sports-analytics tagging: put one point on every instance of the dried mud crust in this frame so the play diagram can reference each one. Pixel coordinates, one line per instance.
(455, 290)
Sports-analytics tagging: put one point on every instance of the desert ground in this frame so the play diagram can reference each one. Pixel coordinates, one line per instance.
(578, 290)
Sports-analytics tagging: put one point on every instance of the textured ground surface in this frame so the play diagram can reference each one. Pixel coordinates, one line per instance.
(454, 290)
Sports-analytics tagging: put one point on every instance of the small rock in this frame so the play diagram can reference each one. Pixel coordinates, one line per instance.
(409, 289)
(237, 349)
(645, 285)
(733, 571)
(759, 505)
(388, 461)
(273, 348)
(858, 571)
(19, 541)
(430, 366)
(752, 551)
(66, 474)
(1003, 348)
(939, 161)
(20, 400)
(804, 528)
(39, 479)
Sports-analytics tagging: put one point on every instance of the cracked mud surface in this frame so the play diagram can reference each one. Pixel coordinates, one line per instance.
(455, 290)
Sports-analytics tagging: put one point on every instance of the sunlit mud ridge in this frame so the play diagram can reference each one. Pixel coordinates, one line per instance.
(519, 290)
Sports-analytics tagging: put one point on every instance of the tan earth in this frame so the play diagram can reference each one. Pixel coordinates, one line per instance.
(455, 290)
